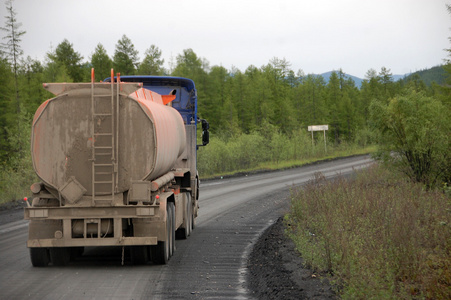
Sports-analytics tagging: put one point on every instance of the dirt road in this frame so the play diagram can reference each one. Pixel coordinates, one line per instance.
(211, 264)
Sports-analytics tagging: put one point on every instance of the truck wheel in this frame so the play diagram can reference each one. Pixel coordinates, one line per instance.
(76, 252)
(193, 221)
(185, 230)
(190, 213)
(172, 232)
(60, 256)
(139, 255)
(39, 257)
(160, 253)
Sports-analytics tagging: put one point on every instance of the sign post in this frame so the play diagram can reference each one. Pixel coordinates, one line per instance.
(319, 128)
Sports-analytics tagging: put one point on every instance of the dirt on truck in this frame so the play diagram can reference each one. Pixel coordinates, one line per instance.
(117, 164)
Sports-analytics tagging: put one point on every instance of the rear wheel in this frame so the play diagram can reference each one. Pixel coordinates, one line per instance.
(76, 252)
(60, 256)
(172, 232)
(139, 255)
(39, 257)
(185, 230)
(161, 253)
(193, 219)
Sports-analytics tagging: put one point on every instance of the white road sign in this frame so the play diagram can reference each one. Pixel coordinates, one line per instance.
(318, 127)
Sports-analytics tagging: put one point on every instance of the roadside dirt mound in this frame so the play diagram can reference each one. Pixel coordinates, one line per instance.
(276, 270)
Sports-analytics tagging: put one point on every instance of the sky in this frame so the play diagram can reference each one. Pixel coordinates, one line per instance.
(315, 36)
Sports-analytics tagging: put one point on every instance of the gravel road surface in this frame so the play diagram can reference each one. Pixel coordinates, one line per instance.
(213, 263)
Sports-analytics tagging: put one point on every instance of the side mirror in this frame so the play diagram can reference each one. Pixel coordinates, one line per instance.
(205, 133)
(205, 138)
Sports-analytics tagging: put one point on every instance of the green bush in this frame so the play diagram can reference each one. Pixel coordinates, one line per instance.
(415, 136)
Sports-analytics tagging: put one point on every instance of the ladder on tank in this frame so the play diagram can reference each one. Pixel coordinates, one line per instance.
(104, 139)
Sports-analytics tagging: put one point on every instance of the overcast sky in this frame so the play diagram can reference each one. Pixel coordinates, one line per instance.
(313, 35)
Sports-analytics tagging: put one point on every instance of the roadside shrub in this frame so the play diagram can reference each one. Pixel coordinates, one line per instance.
(380, 236)
(265, 148)
(415, 136)
(248, 150)
(365, 137)
(17, 174)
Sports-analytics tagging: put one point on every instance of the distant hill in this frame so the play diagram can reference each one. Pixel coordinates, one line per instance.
(357, 80)
(435, 74)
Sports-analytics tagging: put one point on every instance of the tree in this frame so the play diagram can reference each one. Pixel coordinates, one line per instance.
(333, 103)
(65, 56)
(309, 100)
(216, 96)
(31, 79)
(371, 73)
(13, 50)
(125, 58)
(6, 111)
(189, 65)
(385, 77)
(101, 62)
(12, 45)
(445, 91)
(152, 63)
(415, 136)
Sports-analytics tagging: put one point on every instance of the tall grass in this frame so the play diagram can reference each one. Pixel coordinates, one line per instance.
(268, 149)
(380, 236)
(15, 182)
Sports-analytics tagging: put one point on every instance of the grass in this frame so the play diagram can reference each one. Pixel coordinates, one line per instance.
(379, 236)
(15, 181)
(225, 164)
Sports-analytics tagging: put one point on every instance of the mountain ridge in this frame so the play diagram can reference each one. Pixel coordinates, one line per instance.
(425, 75)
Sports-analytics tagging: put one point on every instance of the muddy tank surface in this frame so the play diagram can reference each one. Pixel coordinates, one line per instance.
(149, 136)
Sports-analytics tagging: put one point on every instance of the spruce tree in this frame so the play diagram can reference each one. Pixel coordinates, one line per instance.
(66, 56)
(101, 63)
(125, 58)
(152, 63)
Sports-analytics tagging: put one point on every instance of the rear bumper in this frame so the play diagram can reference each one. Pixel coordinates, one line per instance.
(61, 213)
(96, 226)
(93, 242)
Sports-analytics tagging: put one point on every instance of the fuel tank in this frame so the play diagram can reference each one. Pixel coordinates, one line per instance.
(134, 132)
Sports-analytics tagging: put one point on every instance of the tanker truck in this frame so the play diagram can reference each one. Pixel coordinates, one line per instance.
(116, 162)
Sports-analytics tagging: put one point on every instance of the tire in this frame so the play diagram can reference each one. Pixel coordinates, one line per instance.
(139, 255)
(190, 213)
(160, 253)
(60, 256)
(172, 231)
(76, 252)
(185, 230)
(39, 257)
(193, 221)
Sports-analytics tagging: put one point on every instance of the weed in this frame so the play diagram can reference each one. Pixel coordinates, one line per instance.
(380, 235)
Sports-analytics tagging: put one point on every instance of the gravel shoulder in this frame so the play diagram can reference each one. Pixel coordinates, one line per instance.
(276, 271)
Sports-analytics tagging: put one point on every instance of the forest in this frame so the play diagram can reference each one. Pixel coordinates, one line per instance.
(257, 115)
